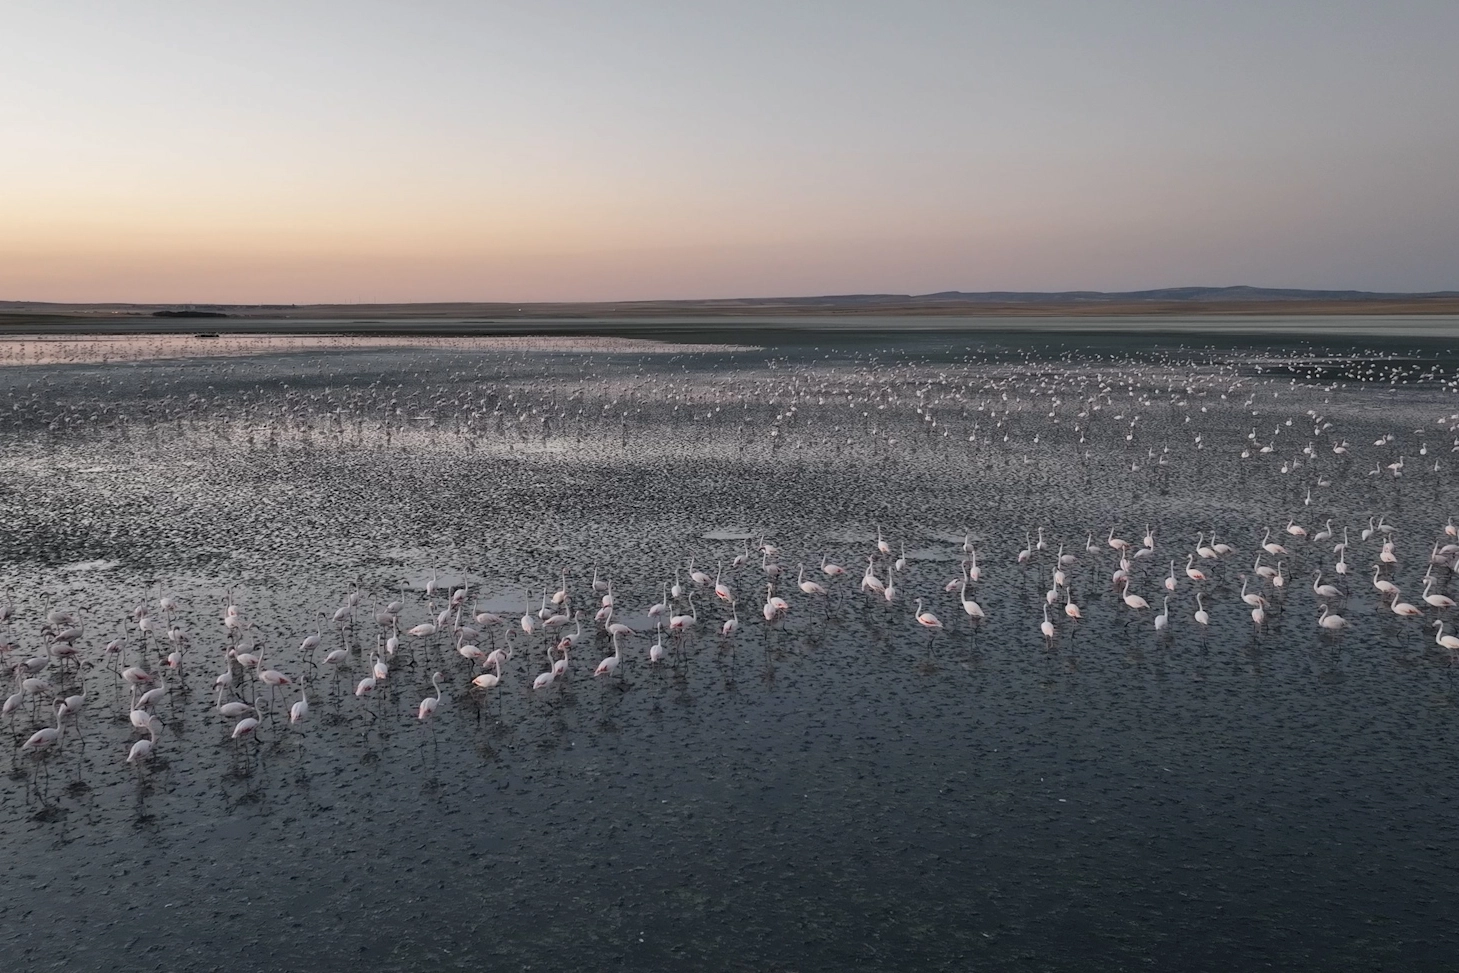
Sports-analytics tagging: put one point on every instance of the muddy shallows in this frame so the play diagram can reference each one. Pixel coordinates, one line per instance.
(927, 657)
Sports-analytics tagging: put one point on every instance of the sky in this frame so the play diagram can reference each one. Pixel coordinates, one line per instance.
(310, 151)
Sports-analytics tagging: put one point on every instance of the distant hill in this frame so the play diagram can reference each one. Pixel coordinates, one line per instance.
(1160, 295)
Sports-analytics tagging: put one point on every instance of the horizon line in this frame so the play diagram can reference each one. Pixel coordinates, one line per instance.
(1194, 294)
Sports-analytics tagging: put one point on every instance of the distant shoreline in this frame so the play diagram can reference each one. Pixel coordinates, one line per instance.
(1254, 314)
(170, 318)
(1439, 333)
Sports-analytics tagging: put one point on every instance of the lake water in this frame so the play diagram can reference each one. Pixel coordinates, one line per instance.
(839, 788)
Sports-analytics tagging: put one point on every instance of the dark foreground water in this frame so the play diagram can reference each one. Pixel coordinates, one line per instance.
(839, 789)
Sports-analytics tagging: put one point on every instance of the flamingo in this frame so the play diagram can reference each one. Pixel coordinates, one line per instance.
(546, 679)
(1272, 547)
(235, 709)
(1386, 588)
(682, 623)
(869, 581)
(71, 705)
(529, 624)
(468, 650)
(973, 609)
(731, 624)
(662, 606)
(149, 697)
(1323, 590)
(1405, 610)
(142, 749)
(136, 676)
(365, 686)
(270, 677)
(429, 704)
(616, 629)
(44, 738)
(610, 665)
(930, 621)
(246, 726)
(139, 718)
(809, 587)
(1194, 573)
(1070, 609)
(1437, 601)
(311, 642)
(568, 641)
(489, 680)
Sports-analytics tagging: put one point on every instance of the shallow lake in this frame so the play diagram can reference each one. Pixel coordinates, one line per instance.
(841, 786)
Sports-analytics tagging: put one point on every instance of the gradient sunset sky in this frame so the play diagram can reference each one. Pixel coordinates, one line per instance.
(356, 151)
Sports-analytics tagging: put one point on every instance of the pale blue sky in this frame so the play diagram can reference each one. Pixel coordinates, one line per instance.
(576, 150)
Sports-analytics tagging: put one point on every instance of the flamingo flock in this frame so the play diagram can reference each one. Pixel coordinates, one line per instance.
(540, 654)
(1246, 480)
